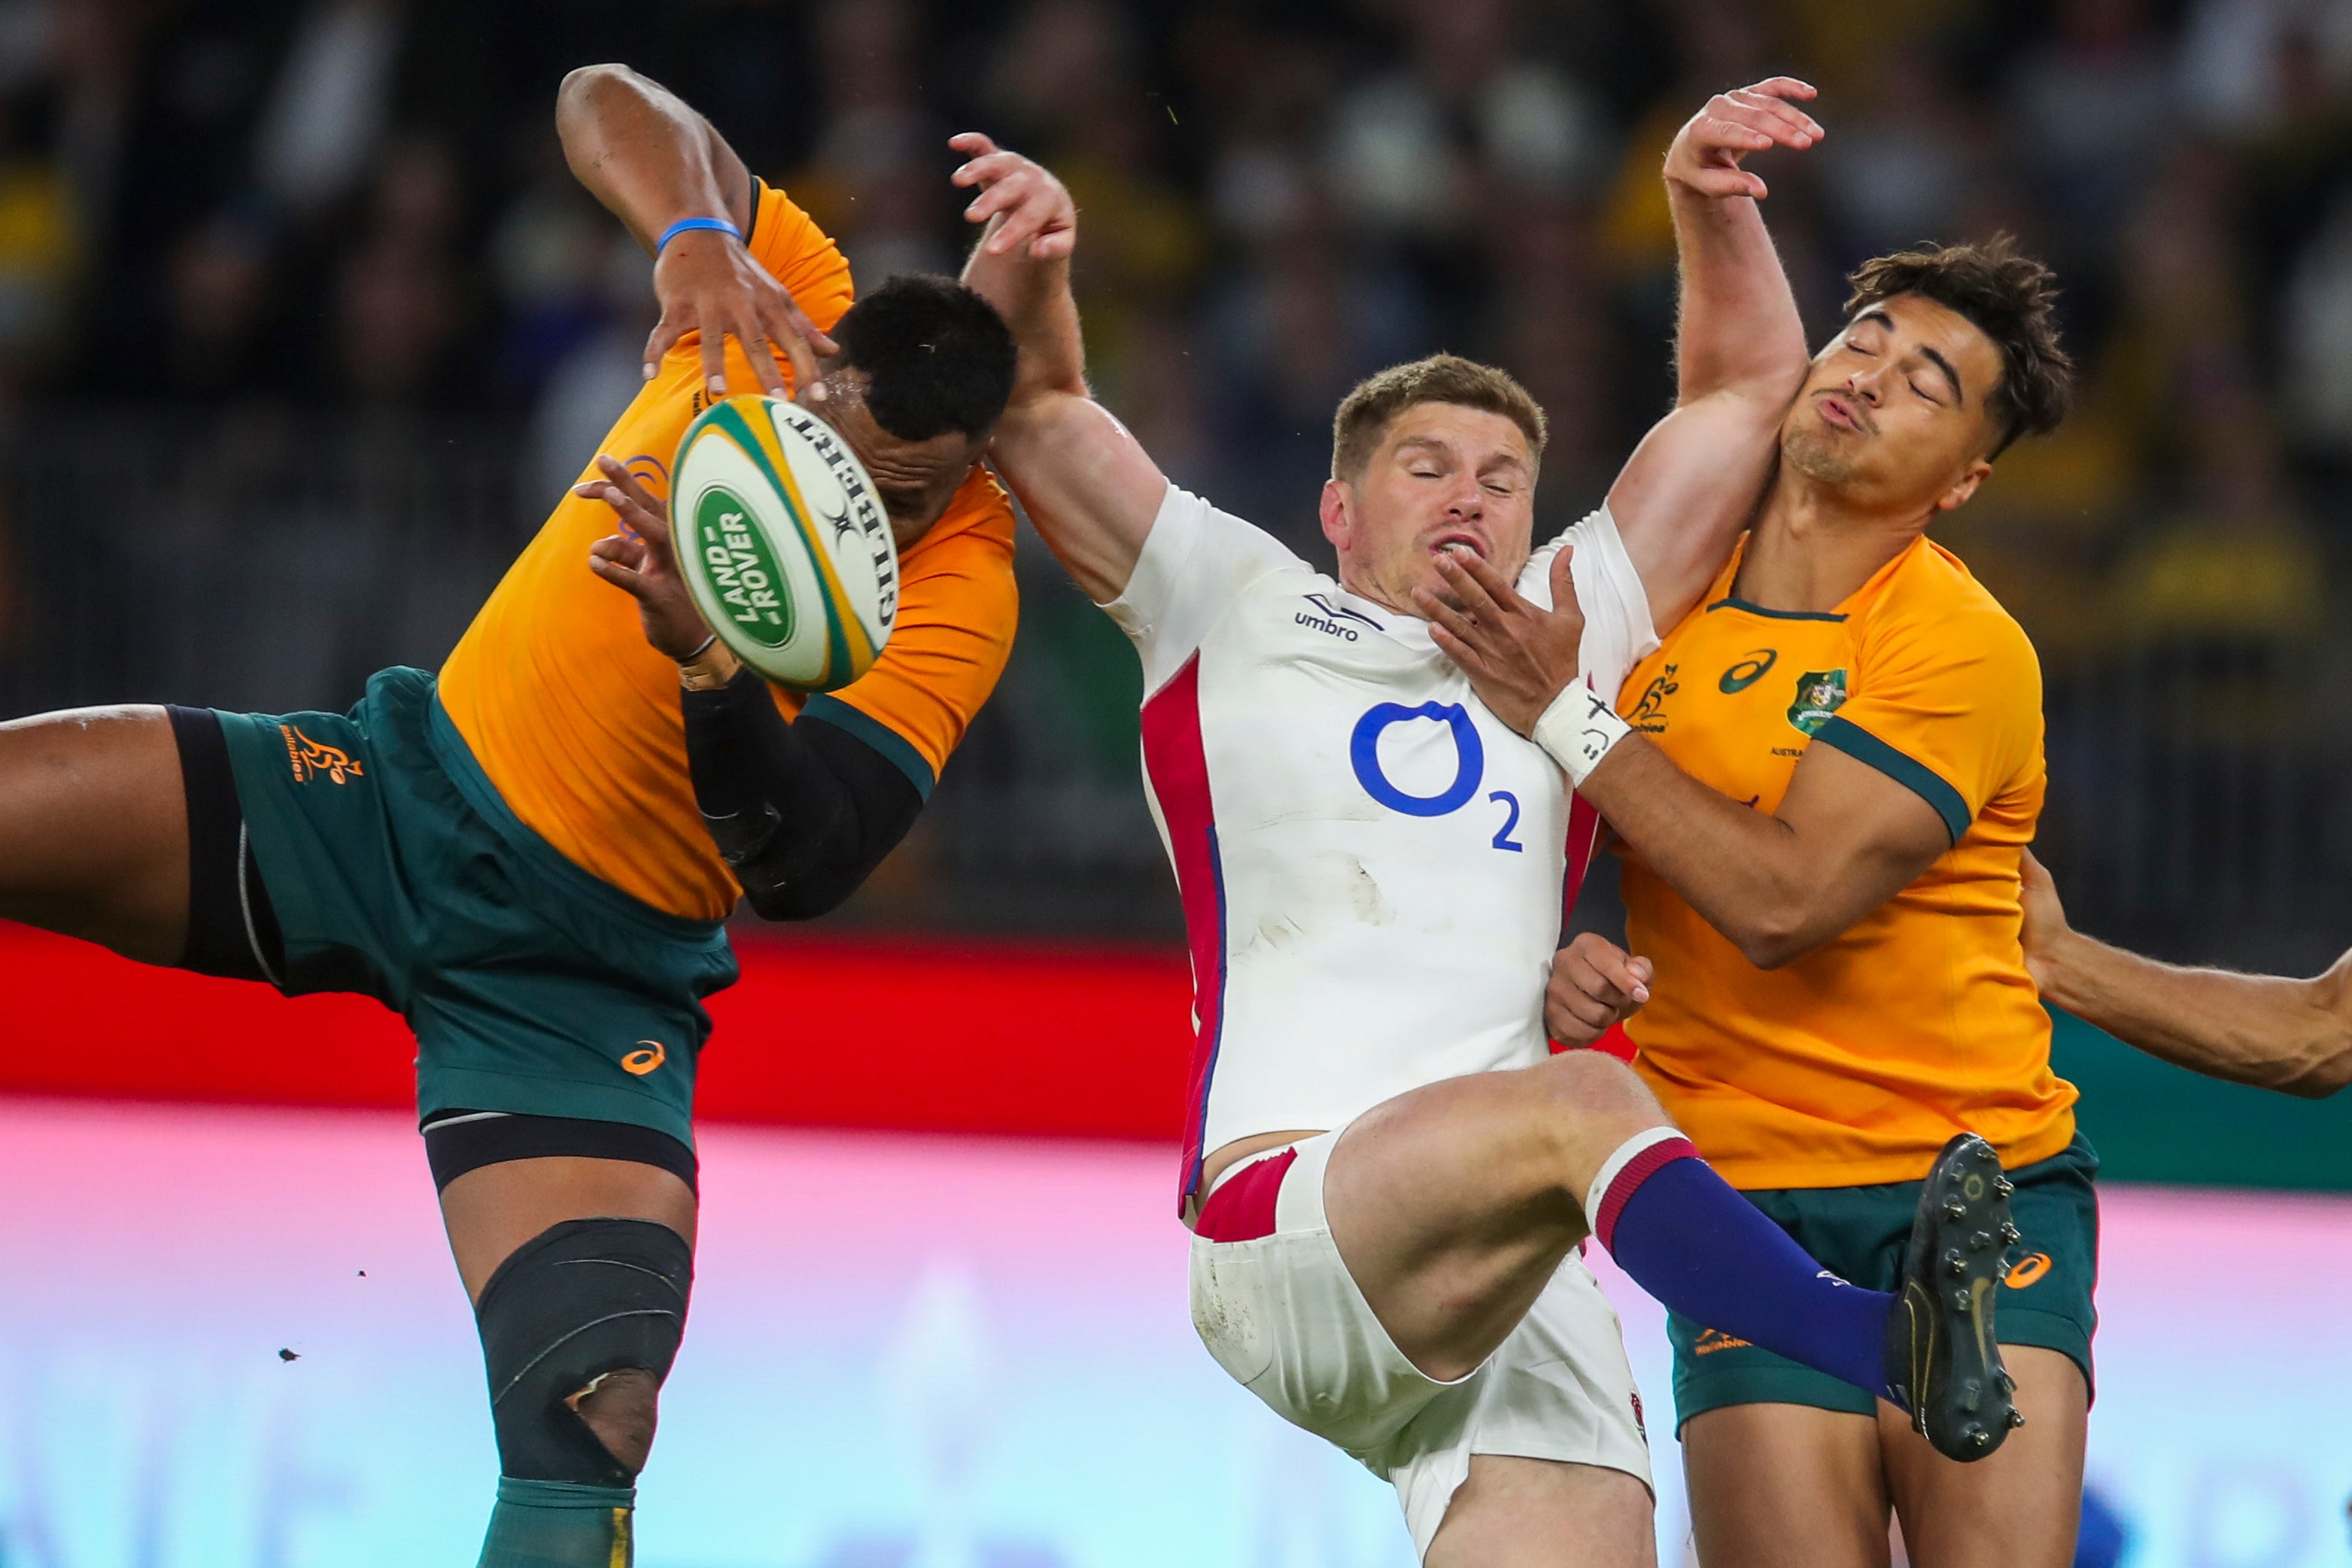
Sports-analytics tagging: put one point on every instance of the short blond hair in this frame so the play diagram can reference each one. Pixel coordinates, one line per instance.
(1365, 413)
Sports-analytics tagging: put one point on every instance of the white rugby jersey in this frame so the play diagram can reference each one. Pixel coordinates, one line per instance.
(1374, 868)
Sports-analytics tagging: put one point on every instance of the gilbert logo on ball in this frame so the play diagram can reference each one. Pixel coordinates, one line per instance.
(782, 544)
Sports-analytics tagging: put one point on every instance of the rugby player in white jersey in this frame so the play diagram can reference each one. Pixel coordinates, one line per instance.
(1388, 1174)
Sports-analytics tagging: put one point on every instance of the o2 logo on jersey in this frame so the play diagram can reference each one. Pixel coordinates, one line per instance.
(1469, 767)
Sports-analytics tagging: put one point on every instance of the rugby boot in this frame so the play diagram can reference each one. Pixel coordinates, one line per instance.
(1942, 1361)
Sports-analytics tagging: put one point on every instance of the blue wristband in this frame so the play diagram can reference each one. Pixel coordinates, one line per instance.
(688, 225)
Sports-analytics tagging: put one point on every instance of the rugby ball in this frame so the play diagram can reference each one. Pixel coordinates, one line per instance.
(782, 544)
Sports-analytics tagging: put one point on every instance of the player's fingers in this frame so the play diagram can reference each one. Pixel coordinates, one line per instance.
(1722, 182)
(991, 169)
(1777, 118)
(1784, 87)
(1725, 127)
(1615, 969)
(1054, 245)
(620, 576)
(631, 487)
(1501, 590)
(751, 333)
(1563, 583)
(971, 144)
(636, 506)
(663, 338)
(620, 549)
(1643, 971)
(714, 360)
(1591, 1012)
(1442, 616)
(645, 523)
(1468, 659)
(1477, 601)
(805, 328)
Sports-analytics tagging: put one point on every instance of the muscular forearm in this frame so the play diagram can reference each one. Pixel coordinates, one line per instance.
(1742, 870)
(1738, 329)
(1035, 299)
(643, 153)
(2272, 1033)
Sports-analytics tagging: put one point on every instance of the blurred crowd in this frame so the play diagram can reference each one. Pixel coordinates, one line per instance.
(361, 205)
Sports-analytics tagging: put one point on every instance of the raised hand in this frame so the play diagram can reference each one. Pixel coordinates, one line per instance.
(1020, 199)
(1705, 153)
(707, 283)
(1594, 983)
(640, 561)
(1517, 656)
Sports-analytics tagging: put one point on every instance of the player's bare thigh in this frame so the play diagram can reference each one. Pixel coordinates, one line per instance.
(1787, 1485)
(1453, 1205)
(493, 1209)
(94, 829)
(1540, 1513)
(2018, 1509)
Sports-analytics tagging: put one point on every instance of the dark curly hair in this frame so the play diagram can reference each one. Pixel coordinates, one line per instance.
(936, 357)
(2008, 296)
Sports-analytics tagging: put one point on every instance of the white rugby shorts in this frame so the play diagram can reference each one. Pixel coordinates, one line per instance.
(1279, 1311)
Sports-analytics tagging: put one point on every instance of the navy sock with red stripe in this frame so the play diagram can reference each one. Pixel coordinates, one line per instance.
(1690, 1239)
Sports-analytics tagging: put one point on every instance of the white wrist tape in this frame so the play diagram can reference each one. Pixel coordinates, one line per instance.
(1578, 730)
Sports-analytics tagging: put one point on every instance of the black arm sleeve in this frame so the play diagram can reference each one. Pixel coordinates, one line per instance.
(801, 812)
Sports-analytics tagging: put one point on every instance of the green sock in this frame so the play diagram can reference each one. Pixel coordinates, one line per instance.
(556, 1524)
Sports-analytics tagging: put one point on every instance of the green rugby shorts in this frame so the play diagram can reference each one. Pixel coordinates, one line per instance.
(1860, 1232)
(396, 871)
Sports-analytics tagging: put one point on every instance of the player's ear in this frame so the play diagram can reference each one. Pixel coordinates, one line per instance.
(1965, 486)
(1338, 512)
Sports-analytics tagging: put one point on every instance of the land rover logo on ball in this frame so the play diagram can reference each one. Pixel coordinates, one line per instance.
(742, 572)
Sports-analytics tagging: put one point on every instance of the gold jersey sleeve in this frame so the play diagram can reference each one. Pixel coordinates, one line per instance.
(1853, 1064)
(575, 719)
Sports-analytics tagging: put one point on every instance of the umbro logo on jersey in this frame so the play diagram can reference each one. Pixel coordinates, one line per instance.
(1332, 617)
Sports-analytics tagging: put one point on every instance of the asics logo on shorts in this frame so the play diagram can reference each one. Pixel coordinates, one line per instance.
(647, 1056)
(311, 758)
(2027, 1270)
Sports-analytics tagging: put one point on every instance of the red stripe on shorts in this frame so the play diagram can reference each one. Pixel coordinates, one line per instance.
(1243, 1209)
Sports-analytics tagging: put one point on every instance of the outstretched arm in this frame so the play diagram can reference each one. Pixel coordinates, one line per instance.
(1689, 488)
(1086, 483)
(2293, 1036)
(651, 159)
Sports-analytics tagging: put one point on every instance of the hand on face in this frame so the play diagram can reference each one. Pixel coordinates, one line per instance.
(1706, 152)
(1517, 656)
(640, 562)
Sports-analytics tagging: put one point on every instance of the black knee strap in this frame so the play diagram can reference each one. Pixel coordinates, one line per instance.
(579, 1299)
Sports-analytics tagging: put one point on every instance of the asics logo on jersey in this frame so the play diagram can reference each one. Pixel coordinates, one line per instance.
(1748, 671)
(1470, 753)
(1328, 622)
(649, 1055)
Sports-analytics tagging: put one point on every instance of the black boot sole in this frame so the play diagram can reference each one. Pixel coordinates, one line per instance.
(1941, 1355)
